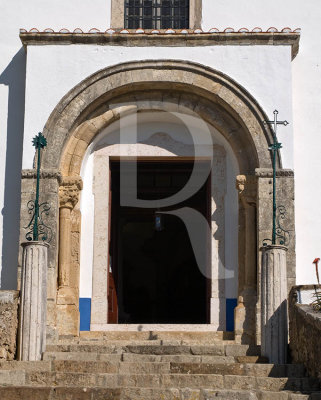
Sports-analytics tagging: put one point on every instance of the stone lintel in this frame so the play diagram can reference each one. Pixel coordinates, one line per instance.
(44, 174)
(132, 39)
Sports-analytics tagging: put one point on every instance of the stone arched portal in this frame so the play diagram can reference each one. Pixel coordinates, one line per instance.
(86, 110)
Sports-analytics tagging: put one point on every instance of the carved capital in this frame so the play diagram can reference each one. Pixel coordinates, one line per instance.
(247, 188)
(69, 191)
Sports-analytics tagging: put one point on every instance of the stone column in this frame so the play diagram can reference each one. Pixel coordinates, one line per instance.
(244, 316)
(33, 308)
(274, 321)
(67, 299)
(68, 198)
(64, 245)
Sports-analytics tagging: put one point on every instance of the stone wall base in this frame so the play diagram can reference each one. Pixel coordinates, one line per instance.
(68, 319)
(9, 301)
(305, 333)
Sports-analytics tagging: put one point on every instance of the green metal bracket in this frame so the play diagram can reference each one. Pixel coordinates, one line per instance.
(278, 232)
(36, 227)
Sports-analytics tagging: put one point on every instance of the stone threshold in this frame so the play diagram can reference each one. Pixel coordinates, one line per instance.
(168, 40)
(153, 327)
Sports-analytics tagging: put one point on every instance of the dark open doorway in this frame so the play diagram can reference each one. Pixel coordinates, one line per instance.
(154, 277)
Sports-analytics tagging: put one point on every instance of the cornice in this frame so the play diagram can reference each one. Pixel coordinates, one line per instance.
(169, 38)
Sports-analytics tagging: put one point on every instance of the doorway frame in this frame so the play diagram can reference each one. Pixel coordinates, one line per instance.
(184, 152)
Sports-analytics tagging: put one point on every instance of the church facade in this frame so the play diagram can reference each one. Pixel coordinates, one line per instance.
(158, 168)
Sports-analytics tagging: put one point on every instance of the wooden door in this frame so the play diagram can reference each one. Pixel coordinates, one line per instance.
(209, 247)
(112, 300)
(112, 292)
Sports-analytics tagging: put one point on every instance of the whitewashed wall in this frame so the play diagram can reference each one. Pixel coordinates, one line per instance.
(14, 15)
(53, 70)
(271, 85)
(306, 120)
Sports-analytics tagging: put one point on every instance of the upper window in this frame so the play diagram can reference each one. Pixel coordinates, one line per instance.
(156, 14)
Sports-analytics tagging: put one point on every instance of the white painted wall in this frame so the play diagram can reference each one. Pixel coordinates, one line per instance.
(54, 70)
(306, 119)
(266, 73)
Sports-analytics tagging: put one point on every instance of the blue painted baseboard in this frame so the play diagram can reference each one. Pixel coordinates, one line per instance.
(230, 305)
(84, 310)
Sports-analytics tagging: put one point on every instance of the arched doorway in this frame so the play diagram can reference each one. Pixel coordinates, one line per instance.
(85, 111)
(164, 151)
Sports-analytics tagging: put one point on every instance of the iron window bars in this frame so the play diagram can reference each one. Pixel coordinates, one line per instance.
(157, 14)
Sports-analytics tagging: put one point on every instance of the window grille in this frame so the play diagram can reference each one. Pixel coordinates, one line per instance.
(156, 14)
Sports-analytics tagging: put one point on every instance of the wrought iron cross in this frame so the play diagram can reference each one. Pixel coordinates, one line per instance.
(36, 227)
(274, 147)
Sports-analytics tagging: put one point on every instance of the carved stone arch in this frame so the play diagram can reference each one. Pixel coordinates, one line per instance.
(83, 113)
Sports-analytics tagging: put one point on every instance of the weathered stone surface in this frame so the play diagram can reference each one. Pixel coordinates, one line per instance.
(274, 314)
(9, 300)
(163, 377)
(305, 333)
(33, 309)
(285, 197)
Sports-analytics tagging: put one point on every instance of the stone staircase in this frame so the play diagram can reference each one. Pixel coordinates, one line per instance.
(150, 366)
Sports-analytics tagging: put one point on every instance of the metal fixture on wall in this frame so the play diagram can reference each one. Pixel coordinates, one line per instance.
(36, 227)
(158, 221)
(279, 212)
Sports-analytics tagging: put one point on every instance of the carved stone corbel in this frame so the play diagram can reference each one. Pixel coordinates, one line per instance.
(247, 188)
(69, 192)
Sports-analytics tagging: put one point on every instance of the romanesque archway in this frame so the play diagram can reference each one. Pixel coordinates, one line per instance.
(86, 110)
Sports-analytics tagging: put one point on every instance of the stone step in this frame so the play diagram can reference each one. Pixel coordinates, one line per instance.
(155, 342)
(207, 336)
(262, 370)
(234, 350)
(63, 393)
(131, 357)
(81, 356)
(58, 393)
(193, 381)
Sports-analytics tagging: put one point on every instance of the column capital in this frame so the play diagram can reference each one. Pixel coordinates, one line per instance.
(247, 188)
(69, 191)
(272, 247)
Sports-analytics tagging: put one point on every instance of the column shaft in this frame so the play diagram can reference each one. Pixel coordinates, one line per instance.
(33, 308)
(274, 321)
(64, 246)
